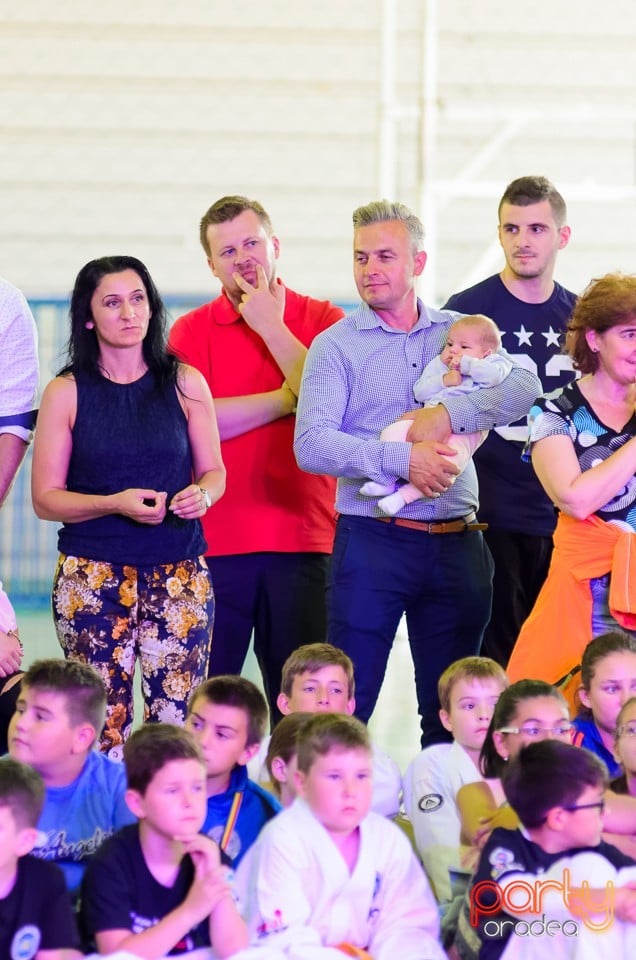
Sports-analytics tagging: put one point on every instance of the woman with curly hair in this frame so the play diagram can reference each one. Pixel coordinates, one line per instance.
(582, 441)
(127, 457)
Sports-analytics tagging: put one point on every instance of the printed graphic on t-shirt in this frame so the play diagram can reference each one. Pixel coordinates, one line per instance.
(53, 845)
(503, 861)
(430, 802)
(25, 943)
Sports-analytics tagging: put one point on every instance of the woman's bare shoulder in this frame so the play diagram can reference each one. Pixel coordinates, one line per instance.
(192, 384)
(60, 393)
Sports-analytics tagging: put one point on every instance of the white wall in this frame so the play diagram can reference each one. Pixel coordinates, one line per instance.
(121, 122)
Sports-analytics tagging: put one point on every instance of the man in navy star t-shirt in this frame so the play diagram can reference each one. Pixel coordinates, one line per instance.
(531, 311)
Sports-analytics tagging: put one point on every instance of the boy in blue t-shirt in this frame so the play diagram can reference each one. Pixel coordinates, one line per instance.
(59, 715)
(227, 717)
(36, 918)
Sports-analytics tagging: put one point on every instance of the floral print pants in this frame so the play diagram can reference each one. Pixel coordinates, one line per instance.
(108, 616)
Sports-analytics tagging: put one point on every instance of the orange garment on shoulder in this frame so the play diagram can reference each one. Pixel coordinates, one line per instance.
(559, 628)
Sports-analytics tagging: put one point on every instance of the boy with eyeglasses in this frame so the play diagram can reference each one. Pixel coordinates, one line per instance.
(552, 885)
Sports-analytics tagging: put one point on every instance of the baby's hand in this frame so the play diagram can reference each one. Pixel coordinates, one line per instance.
(453, 378)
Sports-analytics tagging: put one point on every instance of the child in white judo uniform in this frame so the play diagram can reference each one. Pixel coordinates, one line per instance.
(330, 877)
(468, 691)
(471, 359)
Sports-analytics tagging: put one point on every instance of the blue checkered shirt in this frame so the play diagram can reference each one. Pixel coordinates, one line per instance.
(358, 377)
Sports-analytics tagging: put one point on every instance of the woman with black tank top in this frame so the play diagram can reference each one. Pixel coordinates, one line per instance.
(127, 457)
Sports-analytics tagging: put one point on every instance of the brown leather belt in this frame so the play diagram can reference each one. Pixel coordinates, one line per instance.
(444, 526)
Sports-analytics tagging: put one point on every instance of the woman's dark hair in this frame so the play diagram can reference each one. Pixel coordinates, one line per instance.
(614, 641)
(83, 347)
(490, 763)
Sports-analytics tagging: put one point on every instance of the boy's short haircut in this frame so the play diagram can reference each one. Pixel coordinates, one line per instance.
(325, 732)
(315, 656)
(468, 668)
(549, 774)
(229, 690)
(83, 689)
(284, 739)
(22, 792)
(149, 749)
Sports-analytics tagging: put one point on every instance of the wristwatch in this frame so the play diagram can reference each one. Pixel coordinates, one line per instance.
(206, 497)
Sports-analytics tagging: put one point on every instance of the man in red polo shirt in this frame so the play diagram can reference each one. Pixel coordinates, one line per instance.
(270, 536)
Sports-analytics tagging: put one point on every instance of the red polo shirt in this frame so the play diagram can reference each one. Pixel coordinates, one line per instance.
(269, 504)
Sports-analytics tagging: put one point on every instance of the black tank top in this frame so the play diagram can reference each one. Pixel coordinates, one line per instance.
(130, 435)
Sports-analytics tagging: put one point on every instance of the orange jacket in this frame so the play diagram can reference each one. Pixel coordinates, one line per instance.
(557, 631)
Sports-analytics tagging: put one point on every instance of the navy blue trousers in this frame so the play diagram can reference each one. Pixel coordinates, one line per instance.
(281, 596)
(442, 582)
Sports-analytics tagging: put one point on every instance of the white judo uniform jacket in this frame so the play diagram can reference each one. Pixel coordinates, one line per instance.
(431, 784)
(303, 901)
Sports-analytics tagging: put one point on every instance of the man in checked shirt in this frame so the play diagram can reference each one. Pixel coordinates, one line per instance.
(430, 561)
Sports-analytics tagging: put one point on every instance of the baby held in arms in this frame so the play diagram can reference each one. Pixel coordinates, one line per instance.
(471, 359)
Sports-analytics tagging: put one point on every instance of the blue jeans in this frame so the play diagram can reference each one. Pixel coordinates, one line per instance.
(602, 619)
(442, 582)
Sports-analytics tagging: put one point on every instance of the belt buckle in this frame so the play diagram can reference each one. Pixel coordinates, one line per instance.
(429, 528)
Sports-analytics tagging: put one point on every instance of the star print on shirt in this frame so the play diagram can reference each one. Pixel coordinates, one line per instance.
(524, 336)
(552, 338)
